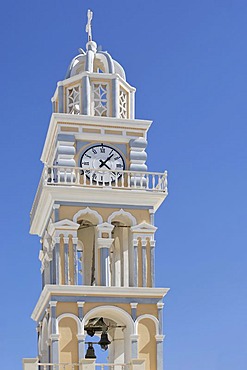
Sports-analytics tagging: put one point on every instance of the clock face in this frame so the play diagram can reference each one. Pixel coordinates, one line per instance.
(101, 163)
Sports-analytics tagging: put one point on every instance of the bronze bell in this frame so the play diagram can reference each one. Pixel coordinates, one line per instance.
(104, 341)
(90, 351)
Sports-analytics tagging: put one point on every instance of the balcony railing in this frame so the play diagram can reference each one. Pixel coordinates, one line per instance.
(111, 179)
(50, 366)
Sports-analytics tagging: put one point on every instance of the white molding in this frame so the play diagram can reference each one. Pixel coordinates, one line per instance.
(150, 317)
(133, 305)
(78, 119)
(101, 291)
(159, 337)
(89, 211)
(71, 316)
(110, 312)
(52, 194)
(160, 305)
(144, 227)
(53, 303)
(123, 213)
(80, 304)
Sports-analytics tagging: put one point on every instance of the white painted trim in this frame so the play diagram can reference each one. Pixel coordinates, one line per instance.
(133, 305)
(78, 119)
(90, 212)
(150, 317)
(123, 213)
(136, 292)
(159, 337)
(110, 312)
(72, 316)
(143, 227)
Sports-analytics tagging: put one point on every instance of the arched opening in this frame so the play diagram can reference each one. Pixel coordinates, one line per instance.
(119, 328)
(121, 252)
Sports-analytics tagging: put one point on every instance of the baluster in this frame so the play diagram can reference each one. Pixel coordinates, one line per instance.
(116, 179)
(128, 179)
(84, 178)
(134, 180)
(45, 367)
(141, 182)
(58, 175)
(64, 367)
(147, 181)
(153, 181)
(91, 178)
(77, 180)
(122, 178)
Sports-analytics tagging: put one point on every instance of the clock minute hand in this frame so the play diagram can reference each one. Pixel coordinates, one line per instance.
(103, 163)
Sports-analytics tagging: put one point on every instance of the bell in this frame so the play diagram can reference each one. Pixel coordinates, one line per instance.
(104, 341)
(90, 351)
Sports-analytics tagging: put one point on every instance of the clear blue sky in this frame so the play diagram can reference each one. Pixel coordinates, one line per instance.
(188, 61)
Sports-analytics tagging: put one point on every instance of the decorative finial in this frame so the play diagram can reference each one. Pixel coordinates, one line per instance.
(89, 24)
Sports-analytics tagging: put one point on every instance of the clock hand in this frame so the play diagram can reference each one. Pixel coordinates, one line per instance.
(103, 163)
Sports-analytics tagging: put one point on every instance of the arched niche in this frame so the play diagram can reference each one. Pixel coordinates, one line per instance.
(147, 349)
(68, 342)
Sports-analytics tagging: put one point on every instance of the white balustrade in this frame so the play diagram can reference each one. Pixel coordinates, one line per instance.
(124, 179)
(76, 366)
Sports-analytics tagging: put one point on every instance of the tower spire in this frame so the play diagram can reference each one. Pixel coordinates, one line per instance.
(89, 24)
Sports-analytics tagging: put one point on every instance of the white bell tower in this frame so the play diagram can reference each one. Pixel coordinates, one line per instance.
(94, 212)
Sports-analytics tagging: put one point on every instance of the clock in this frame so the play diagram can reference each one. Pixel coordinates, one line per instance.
(101, 163)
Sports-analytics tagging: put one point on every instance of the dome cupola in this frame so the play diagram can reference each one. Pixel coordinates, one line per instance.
(95, 85)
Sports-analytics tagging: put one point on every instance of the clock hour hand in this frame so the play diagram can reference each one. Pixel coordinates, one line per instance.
(103, 163)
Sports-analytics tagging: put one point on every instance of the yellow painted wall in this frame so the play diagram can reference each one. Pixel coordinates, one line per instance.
(68, 345)
(147, 343)
(66, 307)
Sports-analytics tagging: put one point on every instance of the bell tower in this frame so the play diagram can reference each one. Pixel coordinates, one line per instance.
(94, 212)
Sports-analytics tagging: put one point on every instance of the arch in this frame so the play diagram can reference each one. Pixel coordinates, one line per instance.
(95, 216)
(147, 316)
(72, 316)
(110, 312)
(122, 215)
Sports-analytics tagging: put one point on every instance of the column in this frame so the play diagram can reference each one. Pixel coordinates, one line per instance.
(81, 337)
(66, 260)
(144, 262)
(135, 262)
(75, 241)
(86, 96)
(152, 262)
(133, 310)
(160, 306)
(132, 105)
(56, 261)
(115, 97)
(134, 345)
(159, 349)
(104, 246)
(54, 337)
(60, 99)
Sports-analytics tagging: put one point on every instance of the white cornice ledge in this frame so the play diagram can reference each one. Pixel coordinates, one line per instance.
(99, 291)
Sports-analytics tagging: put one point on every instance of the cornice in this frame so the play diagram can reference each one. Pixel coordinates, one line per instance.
(99, 291)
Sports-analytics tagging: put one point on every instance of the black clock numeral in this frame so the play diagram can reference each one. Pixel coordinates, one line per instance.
(119, 165)
(86, 155)
(94, 176)
(102, 150)
(116, 158)
(101, 178)
(94, 151)
(86, 163)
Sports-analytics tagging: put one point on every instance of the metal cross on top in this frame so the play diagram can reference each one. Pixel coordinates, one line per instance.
(89, 24)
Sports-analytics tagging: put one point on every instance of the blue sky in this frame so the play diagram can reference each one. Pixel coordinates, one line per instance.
(187, 60)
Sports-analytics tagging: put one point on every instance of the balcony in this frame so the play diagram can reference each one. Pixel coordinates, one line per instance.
(87, 364)
(53, 176)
